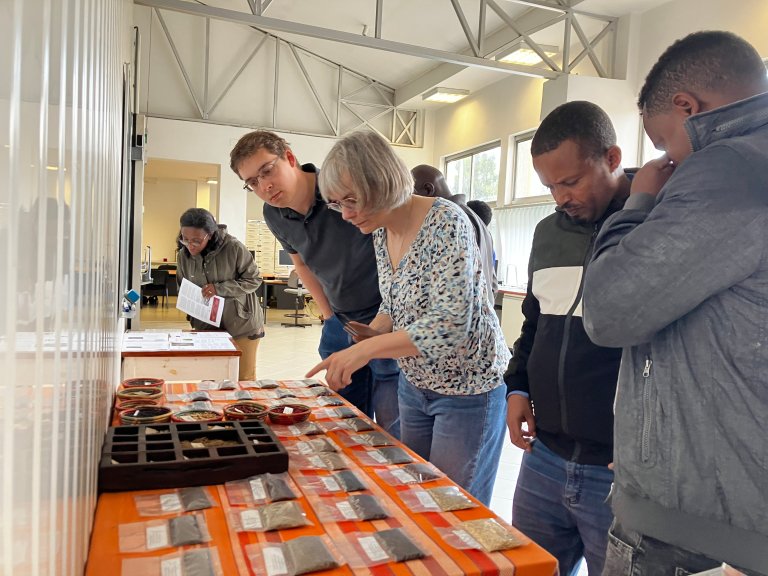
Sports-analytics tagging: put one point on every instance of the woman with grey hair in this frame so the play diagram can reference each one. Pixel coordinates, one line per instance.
(435, 317)
(221, 265)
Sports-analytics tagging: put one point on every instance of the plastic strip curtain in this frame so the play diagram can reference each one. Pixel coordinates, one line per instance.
(60, 148)
(512, 237)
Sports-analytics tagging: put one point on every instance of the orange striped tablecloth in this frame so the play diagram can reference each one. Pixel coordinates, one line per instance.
(114, 509)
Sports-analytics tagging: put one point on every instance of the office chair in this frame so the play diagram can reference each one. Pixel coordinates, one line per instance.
(158, 288)
(172, 288)
(295, 287)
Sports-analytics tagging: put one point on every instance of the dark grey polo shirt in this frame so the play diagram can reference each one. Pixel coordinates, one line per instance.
(336, 252)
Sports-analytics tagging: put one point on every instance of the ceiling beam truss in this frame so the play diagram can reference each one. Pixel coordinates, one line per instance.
(346, 111)
(180, 64)
(473, 44)
(484, 51)
(275, 24)
(237, 74)
(379, 12)
(312, 87)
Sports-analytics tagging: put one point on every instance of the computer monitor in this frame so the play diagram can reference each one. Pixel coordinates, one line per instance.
(283, 263)
(284, 258)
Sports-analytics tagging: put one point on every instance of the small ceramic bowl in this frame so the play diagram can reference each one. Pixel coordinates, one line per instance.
(143, 382)
(245, 411)
(195, 415)
(148, 393)
(288, 413)
(145, 415)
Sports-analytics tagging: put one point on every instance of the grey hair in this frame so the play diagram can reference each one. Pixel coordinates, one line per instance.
(364, 164)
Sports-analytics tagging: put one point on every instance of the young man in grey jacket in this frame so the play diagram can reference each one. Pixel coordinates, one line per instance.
(679, 279)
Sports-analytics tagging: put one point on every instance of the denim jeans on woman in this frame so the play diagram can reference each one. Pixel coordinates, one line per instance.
(461, 435)
(374, 387)
(633, 554)
(562, 506)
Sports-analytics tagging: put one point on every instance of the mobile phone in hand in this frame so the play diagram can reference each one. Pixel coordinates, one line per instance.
(358, 330)
(345, 321)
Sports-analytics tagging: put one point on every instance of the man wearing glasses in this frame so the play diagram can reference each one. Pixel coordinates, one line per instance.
(333, 259)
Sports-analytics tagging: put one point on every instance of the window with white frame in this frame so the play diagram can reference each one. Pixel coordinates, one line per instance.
(525, 181)
(475, 173)
(515, 224)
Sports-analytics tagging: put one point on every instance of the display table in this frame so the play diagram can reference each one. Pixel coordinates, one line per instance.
(180, 355)
(114, 509)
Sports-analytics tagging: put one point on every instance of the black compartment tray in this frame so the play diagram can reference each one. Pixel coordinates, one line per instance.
(154, 456)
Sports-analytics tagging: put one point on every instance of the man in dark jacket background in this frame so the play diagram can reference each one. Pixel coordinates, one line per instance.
(559, 383)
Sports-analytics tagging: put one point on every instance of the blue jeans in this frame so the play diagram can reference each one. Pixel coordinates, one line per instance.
(633, 554)
(374, 387)
(562, 506)
(461, 435)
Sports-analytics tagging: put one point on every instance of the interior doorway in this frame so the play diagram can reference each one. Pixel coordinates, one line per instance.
(170, 188)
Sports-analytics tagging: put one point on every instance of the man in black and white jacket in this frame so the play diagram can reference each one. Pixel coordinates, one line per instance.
(558, 382)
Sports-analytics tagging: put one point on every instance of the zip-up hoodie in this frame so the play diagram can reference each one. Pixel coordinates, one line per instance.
(570, 381)
(682, 285)
(231, 269)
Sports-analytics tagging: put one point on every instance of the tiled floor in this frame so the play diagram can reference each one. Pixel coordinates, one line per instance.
(290, 352)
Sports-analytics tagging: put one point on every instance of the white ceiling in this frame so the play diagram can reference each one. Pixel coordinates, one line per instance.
(429, 23)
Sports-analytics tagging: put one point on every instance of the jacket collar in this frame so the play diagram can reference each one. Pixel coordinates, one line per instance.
(729, 121)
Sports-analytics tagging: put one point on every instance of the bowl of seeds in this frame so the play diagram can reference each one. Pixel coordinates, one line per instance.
(143, 383)
(197, 415)
(145, 415)
(121, 405)
(148, 393)
(245, 411)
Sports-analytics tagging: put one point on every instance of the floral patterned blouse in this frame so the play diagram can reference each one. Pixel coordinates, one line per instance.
(437, 295)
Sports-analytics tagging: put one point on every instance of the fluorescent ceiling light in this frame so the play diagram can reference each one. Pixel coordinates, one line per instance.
(524, 55)
(211, 181)
(448, 95)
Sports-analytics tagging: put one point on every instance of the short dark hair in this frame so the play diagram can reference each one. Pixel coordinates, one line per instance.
(707, 60)
(202, 219)
(199, 218)
(482, 209)
(583, 122)
(252, 142)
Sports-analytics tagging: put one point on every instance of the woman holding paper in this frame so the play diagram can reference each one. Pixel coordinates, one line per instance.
(222, 266)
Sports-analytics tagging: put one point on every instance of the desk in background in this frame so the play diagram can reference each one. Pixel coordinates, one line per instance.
(180, 355)
(267, 287)
(119, 508)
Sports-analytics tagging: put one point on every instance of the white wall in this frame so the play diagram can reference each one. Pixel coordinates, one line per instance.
(616, 97)
(661, 26)
(164, 202)
(211, 143)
